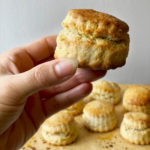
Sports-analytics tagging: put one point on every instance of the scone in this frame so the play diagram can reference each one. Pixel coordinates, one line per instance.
(88, 99)
(135, 128)
(137, 98)
(97, 40)
(106, 91)
(76, 108)
(99, 116)
(60, 129)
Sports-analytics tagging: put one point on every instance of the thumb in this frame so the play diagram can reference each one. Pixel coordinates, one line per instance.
(44, 75)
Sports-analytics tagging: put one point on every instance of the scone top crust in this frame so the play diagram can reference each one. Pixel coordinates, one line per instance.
(96, 24)
(59, 119)
(137, 120)
(106, 86)
(137, 95)
(98, 108)
(78, 105)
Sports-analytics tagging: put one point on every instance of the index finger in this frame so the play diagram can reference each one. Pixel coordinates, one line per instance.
(41, 49)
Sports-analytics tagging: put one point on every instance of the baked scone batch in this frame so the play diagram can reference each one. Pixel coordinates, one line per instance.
(99, 116)
(60, 129)
(97, 40)
(135, 128)
(106, 91)
(137, 98)
(76, 108)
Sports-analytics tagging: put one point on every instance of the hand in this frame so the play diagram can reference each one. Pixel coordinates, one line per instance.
(33, 86)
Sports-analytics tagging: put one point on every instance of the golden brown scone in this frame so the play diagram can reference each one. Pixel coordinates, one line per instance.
(88, 98)
(106, 91)
(60, 129)
(97, 40)
(137, 98)
(99, 116)
(76, 108)
(135, 128)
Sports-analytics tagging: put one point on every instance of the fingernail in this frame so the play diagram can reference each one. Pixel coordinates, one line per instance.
(66, 67)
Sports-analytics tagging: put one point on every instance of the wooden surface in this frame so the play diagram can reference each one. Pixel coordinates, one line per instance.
(88, 140)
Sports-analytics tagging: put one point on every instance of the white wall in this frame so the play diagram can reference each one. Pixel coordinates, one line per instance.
(22, 21)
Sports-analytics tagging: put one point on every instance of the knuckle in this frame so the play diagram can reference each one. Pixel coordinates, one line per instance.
(45, 75)
(80, 78)
(39, 76)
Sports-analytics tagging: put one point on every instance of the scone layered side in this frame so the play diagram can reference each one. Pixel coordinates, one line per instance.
(91, 53)
(134, 136)
(97, 40)
(137, 120)
(60, 139)
(106, 96)
(60, 129)
(135, 128)
(107, 91)
(100, 124)
(99, 116)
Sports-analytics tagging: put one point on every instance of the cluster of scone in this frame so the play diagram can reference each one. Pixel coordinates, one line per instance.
(135, 126)
(97, 40)
(98, 115)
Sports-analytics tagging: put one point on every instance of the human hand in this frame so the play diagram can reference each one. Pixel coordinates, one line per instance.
(33, 86)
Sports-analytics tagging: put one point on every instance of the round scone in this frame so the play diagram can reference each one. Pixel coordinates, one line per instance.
(135, 128)
(76, 108)
(99, 116)
(88, 99)
(137, 98)
(97, 40)
(60, 129)
(107, 91)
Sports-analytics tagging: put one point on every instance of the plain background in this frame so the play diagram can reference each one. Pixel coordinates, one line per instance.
(23, 21)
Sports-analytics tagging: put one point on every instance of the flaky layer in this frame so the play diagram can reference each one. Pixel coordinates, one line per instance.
(100, 124)
(137, 120)
(136, 108)
(95, 24)
(92, 53)
(106, 96)
(107, 91)
(59, 129)
(60, 139)
(135, 136)
(107, 86)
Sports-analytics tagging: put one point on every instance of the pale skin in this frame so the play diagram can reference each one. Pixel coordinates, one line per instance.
(33, 86)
